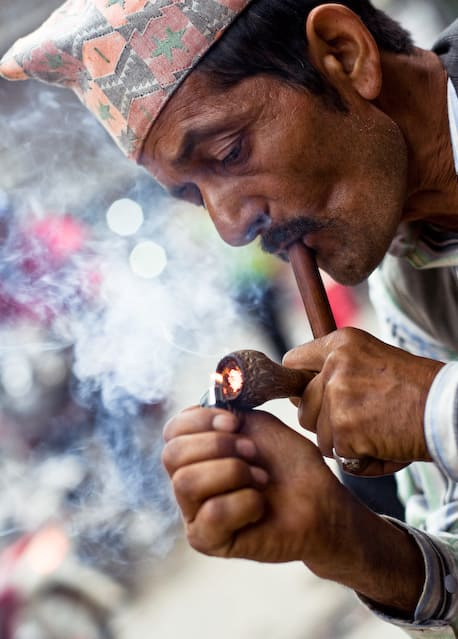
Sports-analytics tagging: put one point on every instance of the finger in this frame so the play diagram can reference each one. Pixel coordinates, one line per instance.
(219, 518)
(191, 449)
(324, 437)
(198, 420)
(324, 426)
(310, 406)
(196, 483)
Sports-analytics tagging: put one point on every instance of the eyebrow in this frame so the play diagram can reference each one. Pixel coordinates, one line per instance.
(195, 136)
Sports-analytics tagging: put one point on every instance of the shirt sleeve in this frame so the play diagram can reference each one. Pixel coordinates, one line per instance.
(436, 614)
(441, 420)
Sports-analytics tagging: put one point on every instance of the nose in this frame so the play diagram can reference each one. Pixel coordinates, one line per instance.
(238, 218)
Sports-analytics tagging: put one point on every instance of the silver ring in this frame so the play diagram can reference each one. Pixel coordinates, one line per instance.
(348, 464)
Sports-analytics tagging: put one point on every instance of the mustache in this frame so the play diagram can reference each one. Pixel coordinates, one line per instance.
(280, 236)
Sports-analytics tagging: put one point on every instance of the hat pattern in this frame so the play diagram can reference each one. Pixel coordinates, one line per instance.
(123, 58)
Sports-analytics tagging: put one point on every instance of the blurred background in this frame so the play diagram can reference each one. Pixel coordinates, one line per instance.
(115, 305)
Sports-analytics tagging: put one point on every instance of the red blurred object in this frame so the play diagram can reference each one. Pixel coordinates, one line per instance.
(47, 591)
(9, 605)
(62, 236)
(343, 304)
(48, 268)
(10, 600)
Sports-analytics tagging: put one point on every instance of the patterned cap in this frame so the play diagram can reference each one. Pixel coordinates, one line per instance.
(123, 58)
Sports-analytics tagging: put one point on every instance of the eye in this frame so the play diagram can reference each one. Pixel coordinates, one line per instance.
(188, 192)
(234, 155)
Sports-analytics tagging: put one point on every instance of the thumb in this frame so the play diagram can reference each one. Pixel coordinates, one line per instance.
(309, 356)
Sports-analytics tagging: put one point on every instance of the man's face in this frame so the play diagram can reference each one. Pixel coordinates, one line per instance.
(268, 159)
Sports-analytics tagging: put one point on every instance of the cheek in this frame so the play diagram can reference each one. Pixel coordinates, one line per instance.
(370, 172)
(293, 173)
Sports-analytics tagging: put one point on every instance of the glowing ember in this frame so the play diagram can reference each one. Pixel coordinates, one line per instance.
(235, 379)
(232, 381)
(250, 378)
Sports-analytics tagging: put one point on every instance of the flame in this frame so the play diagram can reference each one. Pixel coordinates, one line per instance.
(216, 378)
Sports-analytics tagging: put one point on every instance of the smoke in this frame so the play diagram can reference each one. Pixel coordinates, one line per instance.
(149, 326)
(124, 332)
(54, 156)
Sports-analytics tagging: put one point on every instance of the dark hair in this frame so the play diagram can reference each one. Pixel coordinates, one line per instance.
(269, 38)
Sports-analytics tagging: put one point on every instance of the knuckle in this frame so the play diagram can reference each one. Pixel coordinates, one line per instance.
(167, 431)
(342, 356)
(349, 335)
(205, 538)
(332, 363)
(212, 513)
(337, 394)
(341, 359)
(341, 424)
(182, 482)
(166, 459)
(169, 455)
(195, 539)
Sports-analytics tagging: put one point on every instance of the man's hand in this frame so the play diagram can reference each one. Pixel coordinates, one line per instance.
(367, 400)
(251, 487)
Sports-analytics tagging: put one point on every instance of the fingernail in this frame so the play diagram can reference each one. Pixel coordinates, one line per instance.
(259, 475)
(245, 447)
(224, 421)
(286, 357)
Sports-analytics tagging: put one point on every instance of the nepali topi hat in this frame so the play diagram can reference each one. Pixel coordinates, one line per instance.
(123, 58)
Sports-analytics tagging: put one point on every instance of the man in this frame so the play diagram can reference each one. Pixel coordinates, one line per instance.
(319, 122)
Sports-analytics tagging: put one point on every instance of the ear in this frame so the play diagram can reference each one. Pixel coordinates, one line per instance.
(343, 50)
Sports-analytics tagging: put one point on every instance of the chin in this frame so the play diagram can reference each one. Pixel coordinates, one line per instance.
(350, 273)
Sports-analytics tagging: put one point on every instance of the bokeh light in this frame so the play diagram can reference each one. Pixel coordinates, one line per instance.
(148, 259)
(125, 217)
(16, 375)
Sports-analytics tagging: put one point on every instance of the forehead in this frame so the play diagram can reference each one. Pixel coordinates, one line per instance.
(200, 106)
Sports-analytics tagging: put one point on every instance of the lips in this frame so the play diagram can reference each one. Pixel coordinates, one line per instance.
(279, 237)
(282, 251)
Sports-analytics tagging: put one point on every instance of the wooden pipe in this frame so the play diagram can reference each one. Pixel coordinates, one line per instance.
(320, 317)
(312, 290)
(248, 378)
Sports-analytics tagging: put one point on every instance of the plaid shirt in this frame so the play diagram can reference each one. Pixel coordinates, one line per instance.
(423, 268)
